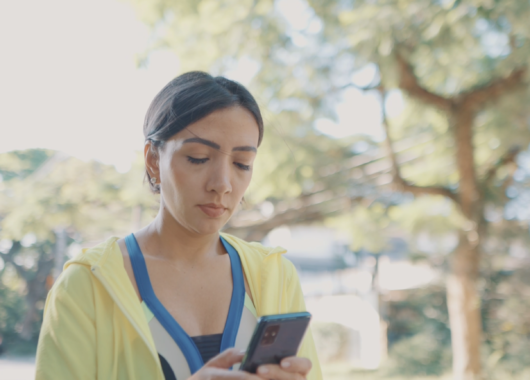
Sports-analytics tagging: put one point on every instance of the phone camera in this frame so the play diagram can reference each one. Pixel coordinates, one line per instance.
(269, 336)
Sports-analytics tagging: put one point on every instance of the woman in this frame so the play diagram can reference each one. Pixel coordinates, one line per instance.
(177, 299)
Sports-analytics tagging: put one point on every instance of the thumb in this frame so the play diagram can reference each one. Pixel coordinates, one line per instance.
(226, 359)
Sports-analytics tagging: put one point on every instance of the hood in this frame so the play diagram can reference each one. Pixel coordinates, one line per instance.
(262, 265)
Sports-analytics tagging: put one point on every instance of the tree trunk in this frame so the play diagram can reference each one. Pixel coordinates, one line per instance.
(463, 302)
(463, 298)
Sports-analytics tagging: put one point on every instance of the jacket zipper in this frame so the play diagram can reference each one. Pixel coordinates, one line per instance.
(116, 299)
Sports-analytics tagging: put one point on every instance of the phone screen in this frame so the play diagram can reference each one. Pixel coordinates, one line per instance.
(275, 337)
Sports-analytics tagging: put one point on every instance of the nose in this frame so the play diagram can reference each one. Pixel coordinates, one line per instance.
(220, 178)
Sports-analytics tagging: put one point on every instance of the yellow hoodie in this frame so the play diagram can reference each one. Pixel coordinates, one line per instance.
(94, 326)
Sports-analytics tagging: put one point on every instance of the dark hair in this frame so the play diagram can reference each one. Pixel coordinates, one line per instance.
(189, 98)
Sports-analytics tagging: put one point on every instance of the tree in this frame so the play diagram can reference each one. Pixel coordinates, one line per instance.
(408, 41)
(49, 203)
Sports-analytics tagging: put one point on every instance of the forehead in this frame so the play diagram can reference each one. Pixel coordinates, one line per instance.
(229, 127)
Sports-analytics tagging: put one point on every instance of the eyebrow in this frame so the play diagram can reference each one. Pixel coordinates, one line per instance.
(211, 144)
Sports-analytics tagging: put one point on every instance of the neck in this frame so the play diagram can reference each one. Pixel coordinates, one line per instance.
(167, 239)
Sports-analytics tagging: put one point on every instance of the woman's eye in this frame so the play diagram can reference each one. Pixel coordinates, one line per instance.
(197, 160)
(242, 166)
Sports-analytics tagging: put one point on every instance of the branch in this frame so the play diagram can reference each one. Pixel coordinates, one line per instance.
(409, 83)
(494, 90)
(508, 158)
(406, 187)
(369, 87)
(302, 210)
(472, 99)
(397, 179)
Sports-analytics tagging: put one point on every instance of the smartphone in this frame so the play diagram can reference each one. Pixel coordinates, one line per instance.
(275, 337)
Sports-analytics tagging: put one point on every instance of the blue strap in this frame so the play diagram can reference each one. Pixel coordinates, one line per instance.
(181, 338)
(237, 303)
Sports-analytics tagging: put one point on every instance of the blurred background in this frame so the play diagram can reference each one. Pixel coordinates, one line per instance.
(395, 165)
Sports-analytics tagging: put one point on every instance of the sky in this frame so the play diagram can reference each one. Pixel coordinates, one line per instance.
(69, 80)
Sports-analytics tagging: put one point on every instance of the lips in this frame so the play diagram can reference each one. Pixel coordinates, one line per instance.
(213, 210)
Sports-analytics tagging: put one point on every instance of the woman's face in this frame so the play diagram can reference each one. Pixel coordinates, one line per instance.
(205, 169)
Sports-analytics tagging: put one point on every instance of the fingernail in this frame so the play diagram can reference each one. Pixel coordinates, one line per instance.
(243, 352)
(263, 370)
(286, 364)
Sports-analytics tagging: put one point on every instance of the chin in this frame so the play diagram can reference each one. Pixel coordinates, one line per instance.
(208, 227)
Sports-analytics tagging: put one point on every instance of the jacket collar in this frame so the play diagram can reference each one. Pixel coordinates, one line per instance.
(262, 266)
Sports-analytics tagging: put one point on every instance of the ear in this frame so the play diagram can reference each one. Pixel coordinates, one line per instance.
(151, 158)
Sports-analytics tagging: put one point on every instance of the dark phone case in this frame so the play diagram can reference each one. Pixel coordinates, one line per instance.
(292, 328)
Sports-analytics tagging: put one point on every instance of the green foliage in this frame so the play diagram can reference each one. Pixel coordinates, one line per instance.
(505, 310)
(367, 226)
(412, 311)
(419, 335)
(418, 332)
(12, 310)
(72, 194)
(419, 355)
(20, 164)
(43, 194)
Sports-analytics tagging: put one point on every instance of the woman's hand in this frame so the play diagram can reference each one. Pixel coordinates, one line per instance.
(291, 368)
(217, 368)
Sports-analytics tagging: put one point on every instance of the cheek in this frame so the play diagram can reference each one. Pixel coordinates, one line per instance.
(241, 184)
(179, 180)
